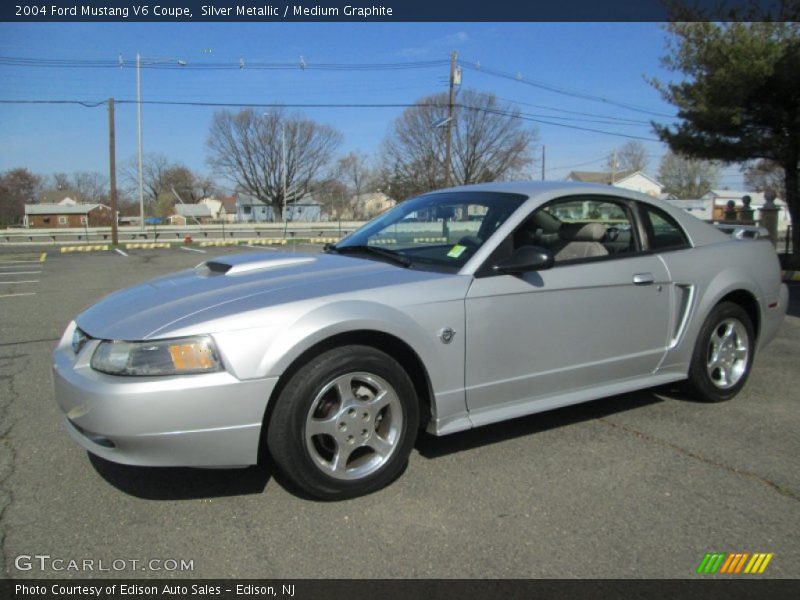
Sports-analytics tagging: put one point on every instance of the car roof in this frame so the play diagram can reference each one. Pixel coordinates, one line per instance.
(529, 188)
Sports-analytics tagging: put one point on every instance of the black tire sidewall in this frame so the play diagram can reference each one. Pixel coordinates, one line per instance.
(286, 429)
(700, 382)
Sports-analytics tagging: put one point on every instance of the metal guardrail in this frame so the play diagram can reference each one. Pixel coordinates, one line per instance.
(326, 230)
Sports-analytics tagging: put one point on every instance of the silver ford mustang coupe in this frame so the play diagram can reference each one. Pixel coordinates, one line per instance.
(455, 309)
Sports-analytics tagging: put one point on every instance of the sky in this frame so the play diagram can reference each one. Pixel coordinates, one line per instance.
(608, 61)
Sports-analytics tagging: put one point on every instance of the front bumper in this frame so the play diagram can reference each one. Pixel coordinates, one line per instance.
(211, 420)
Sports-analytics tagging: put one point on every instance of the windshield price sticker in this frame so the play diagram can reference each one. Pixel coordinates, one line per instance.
(456, 251)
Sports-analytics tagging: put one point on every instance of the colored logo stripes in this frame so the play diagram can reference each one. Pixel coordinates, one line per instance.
(734, 563)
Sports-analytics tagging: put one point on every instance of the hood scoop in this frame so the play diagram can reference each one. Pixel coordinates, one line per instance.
(232, 268)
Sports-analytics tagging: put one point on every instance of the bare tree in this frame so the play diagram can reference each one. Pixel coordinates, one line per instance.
(91, 186)
(631, 156)
(490, 142)
(335, 197)
(765, 175)
(686, 177)
(83, 186)
(246, 149)
(160, 175)
(18, 187)
(354, 172)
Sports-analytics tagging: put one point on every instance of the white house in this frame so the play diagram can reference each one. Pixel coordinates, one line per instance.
(369, 205)
(637, 181)
(702, 208)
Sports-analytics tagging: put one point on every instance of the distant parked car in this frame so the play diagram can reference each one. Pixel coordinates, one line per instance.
(332, 362)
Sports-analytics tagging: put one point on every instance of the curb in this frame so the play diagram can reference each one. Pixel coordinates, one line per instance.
(84, 248)
(143, 245)
(207, 243)
(266, 242)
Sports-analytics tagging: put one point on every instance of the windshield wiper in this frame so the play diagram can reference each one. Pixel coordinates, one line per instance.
(390, 255)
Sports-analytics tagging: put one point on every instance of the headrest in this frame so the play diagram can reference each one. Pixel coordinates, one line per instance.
(582, 232)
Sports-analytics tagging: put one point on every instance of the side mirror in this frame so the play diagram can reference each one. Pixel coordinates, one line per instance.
(526, 258)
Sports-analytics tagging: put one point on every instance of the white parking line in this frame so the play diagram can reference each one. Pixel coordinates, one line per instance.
(122, 252)
(21, 273)
(260, 247)
(8, 262)
(20, 294)
(192, 249)
(25, 281)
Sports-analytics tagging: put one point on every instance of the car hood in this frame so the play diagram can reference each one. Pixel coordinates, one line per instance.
(233, 284)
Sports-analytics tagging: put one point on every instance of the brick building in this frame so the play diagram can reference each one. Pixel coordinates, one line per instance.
(54, 216)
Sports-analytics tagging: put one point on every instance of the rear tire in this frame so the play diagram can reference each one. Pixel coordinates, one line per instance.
(723, 354)
(345, 423)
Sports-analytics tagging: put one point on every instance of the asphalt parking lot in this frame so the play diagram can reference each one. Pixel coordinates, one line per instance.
(639, 485)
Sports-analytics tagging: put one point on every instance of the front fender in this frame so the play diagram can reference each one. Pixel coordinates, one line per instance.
(340, 317)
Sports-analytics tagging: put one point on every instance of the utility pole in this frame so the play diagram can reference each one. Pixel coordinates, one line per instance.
(283, 167)
(543, 147)
(614, 167)
(112, 171)
(449, 139)
(139, 137)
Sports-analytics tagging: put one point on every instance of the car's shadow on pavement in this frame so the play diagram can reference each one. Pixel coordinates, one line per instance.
(430, 446)
(167, 483)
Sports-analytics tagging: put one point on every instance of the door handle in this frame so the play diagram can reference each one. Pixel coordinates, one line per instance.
(643, 279)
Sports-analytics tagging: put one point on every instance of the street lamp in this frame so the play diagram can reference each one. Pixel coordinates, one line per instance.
(445, 122)
(152, 61)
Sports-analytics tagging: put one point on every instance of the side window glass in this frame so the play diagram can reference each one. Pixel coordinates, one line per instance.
(664, 232)
(579, 229)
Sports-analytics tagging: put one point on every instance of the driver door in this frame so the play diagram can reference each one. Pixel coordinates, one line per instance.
(588, 321)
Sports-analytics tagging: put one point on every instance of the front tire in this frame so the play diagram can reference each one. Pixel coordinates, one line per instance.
(345, 423)
(723, 354)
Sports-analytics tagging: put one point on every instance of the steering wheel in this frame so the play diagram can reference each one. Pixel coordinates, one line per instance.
(612, 233)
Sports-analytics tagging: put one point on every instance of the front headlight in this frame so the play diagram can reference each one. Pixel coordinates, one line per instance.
(181, 356)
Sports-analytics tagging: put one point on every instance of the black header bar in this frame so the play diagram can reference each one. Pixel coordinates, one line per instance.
(375, 11)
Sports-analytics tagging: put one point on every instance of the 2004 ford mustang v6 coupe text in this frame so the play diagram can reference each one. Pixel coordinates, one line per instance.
(455, 309)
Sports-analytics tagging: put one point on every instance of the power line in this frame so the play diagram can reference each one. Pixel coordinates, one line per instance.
(242, 64)
(582, 164)
(306, 65)
(545, 122)
(514, 115)
(477, 67)
(622, 120)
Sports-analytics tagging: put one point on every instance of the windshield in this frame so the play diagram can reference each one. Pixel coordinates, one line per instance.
(436, 231)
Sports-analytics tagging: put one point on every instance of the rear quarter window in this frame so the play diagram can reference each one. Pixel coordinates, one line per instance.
(663, 231)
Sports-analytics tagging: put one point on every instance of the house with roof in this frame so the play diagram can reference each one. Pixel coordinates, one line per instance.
(229, 209)
(191, 214)
(253, 210)
(250, 209)
(369, 205)
(51, 215)
(638, 181)
(306, 209)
